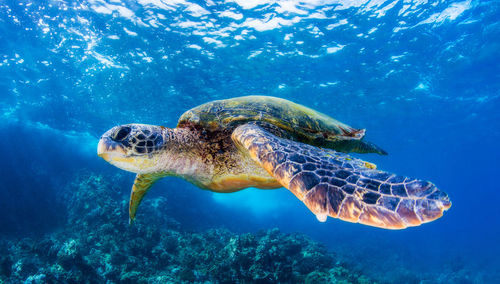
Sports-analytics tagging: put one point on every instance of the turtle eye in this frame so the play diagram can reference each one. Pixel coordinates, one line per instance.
(122, 133)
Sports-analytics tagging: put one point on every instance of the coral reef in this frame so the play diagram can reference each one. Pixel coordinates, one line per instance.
(98, 245)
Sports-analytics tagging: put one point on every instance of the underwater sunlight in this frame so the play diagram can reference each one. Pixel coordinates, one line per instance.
(260, 141)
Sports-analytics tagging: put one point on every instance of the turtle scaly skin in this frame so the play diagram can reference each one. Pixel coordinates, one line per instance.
(266, 142)
(336, 185)
(208, 160)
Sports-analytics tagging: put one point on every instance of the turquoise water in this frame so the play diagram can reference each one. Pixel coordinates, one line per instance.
(421, 76)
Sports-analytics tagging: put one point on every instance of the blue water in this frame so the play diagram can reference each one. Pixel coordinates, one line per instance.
(423, 78)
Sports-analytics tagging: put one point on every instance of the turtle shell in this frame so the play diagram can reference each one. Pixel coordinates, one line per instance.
(299, 122)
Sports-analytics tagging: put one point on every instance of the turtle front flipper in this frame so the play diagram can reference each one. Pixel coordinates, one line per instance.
(334, 184)
(142, 184)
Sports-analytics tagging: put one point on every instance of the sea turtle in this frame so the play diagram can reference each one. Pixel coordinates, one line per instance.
(267, 142)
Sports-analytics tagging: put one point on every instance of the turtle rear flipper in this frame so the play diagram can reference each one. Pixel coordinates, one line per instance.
(354, 145)
(333, 184)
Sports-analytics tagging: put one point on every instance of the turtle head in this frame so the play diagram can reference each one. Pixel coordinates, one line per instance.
(132, 147)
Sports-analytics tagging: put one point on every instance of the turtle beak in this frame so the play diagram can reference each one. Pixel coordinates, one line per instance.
(101, 149)
(107, 149)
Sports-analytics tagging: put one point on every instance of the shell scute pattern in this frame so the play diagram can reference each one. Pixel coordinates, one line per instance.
(298, 122)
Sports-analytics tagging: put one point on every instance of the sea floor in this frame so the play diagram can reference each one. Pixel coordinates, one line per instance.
(95, 244)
